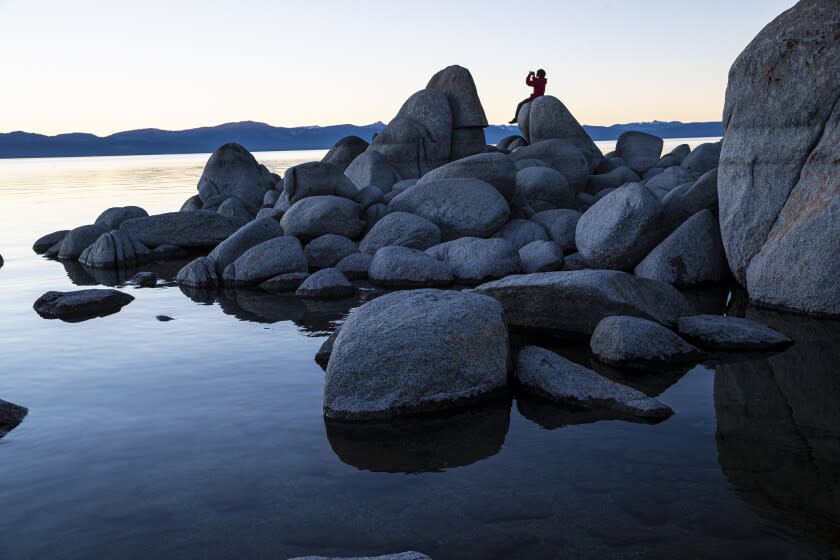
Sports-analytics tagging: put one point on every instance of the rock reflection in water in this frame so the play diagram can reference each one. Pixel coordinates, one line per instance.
(552, 416)
(82, 275)
(778, 428)
(422, 444)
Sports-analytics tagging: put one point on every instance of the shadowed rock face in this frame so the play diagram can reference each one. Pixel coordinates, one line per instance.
(422, 444)
(778, 430)
(779, 179)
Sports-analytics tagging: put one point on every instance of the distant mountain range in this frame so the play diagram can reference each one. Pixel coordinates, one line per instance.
(261, 137)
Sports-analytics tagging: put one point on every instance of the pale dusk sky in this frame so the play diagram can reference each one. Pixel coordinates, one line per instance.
(106, 66)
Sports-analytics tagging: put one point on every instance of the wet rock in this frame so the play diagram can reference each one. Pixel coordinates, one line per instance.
(114, 249)
(372, 169)
(541, 256)
(355, 266)
(144, 279)
(81, 305)
(315, 178)
(78, 239)
(634, 342)
(550, 376)
(345, 151)
(112, 218)
(640, 150)
(328, 283)
(541, 188)
(576, 301)
(402, 229)
(201, 229)
(402, 267)
(494, 168)
(621, 228)
(11, 415)
(44, 243)
(560, 225)
(266, 260)
(327, 250)
(721, 332)
(693, 254)
(233, 171)
(522, 232)
(389, 360)
(282, 283)
(473, 260)
(459, 207)
(318, 215)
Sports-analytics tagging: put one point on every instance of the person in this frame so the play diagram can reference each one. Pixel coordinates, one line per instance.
(537, 81)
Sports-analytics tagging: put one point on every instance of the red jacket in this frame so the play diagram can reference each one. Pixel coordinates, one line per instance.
(538, 84)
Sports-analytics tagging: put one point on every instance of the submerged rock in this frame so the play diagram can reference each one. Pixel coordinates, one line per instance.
(576, 301)
(721, 332)
(553, 377)
(81, 305)
(631, 341)
(389, 360)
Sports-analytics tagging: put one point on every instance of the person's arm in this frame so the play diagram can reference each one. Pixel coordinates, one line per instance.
(529, 81)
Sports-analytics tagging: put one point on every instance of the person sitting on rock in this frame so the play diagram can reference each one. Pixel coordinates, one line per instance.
(536, 81)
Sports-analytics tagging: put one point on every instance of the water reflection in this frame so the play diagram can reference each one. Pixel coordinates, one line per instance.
(422, 444)
(82, 275)
(552, 416)
(778, 429)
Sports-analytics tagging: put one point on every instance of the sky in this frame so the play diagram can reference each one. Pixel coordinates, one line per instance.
(105, 66)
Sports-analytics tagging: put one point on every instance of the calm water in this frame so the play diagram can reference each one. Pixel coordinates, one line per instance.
(202, 437)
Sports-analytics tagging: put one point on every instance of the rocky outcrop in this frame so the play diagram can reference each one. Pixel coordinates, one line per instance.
(233, 171)
(112, 218)
(388, 360)
(459, 207)
(552, 377)
(779, 179)
(635, 342)
(81, 305)
(576, 301)
(549, 119)
(468, 118)
(473, 260)
(201, 229)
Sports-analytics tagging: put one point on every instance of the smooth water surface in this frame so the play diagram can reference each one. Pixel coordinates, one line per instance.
(202, 437)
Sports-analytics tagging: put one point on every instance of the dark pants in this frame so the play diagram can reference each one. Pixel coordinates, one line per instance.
(519, 107)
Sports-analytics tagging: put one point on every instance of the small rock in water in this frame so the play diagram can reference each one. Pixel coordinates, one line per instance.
(81, 305)
(720, 332)
(144, 279)
(553, 377)
(10, 416)
(43, 244)
(631, 341)
(164, 318)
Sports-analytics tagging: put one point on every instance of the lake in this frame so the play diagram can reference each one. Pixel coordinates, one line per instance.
(203, 437)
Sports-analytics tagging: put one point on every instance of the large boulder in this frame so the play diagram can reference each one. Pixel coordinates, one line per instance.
(549, 119)
(575, 301)
(199, 273)
(620, 229)
(639, 150)
(560, 225)
(355, 266)
(693, 254)
(541, 256)
(521, 232)
(233, 171)
(252, 233)
(318, 215)
(473, 260)
(703, 158)
(114, 249)
(459, 207)
(403, 267)
(81, 305)
(78, 239)
(457, 84)
(327, 250)
(635, 342)
(316, 178)
(201, 229)
(328, 283)
(389, 359)
(494, 168)
(372, 169)
(418, 139)
(43, 244)
(280, 255)
(779, 178)
(232, 207)
(467, 142)
(345, 151)
(552, 377)
(541, 188)
(686, 200)
(403, 229)
(562, 156)
(112, 218)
